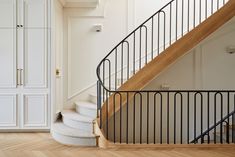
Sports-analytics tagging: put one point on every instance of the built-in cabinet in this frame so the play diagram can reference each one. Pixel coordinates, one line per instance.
(24, 64)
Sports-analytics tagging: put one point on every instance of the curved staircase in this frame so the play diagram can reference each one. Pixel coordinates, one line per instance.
(154, 116)
(129, 114)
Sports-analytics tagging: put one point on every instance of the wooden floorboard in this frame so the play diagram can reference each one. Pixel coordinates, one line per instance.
(42, 145)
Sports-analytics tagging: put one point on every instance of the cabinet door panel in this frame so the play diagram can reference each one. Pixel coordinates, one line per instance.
(35, 110)
(7, 13)
(35, 13)
(35, 58)
(8, 58)
(8, 112)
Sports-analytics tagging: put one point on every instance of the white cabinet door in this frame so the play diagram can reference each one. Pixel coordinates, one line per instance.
(35, 110)
(35, 13)
(8, 112)
(8, 58)
(7, 13)
(35, 58)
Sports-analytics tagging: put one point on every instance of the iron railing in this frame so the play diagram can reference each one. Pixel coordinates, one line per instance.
(170, 117)
(141, 46)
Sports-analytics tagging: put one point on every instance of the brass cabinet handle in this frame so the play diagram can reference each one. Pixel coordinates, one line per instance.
(17, 77)
(21, 77)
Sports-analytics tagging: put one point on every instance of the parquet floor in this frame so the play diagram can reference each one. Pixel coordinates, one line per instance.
(42, 145)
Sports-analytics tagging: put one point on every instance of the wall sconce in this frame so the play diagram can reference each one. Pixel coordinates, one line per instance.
(230, 49)
(97, 27)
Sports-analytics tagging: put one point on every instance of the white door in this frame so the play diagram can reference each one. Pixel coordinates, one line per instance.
(8, 58)
(35, 58)
(35, 109)
(35, 13)
(8, 112)
(7, 13)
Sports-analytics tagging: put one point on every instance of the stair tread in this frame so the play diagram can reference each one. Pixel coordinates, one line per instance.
(61, 128)
(73, 115)
(86, 104)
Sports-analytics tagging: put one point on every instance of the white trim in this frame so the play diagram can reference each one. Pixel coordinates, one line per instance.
(15, 112)
(80, 3)
(25, 110)
(81, 91)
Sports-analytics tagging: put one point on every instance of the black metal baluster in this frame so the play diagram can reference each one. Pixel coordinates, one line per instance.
(98, 98)
(202, 116)
(188, 117)
(152, 38)
(148, 117)
(170, 23)
(127, 117)
(120, 117)
(227, 132)
(194, 13)
(195, 116)
(221, 117)
(154, 119)
(176, 23)
(181, 118)
(208, 114)
(103, 94)
(140, 47)
(182, 27)
(161, 120)
(168, 118)
(164, 30)
(188, 13)
(114, 117)
(228, 111)
(175, 118)
(146, 44)
(134, 102)
(107, 118)
(128, 60)
(215, 111)
(122, 58)
(128, 57)
(134, 53)
(233, 121)
(115, 69)
(200, 11)
(158, 35)
(141, 111)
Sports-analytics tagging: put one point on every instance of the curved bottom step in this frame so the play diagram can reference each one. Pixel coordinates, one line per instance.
(72, 137)
(73, 141)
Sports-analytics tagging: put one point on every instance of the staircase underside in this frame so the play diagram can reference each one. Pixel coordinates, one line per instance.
(168, 57)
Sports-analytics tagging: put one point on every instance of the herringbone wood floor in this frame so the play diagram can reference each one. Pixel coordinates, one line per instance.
(42, 145)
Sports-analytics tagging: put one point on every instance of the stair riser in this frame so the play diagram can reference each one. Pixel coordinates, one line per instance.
(86, 111)
(74, 141)
(78, 125)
